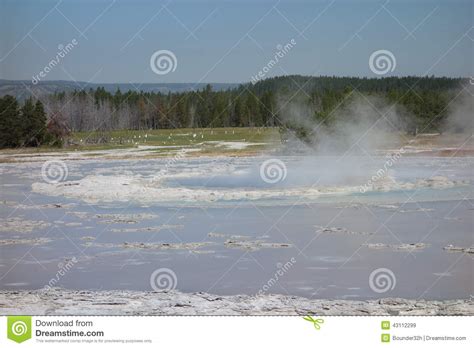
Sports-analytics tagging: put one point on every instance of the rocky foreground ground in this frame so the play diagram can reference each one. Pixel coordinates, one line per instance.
(117, 302)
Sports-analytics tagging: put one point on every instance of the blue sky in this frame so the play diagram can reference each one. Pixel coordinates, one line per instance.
(230, 41)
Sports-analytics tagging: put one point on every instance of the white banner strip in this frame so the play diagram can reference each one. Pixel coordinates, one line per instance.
(237, 331)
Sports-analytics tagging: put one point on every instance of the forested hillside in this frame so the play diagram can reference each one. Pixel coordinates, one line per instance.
(424, 100)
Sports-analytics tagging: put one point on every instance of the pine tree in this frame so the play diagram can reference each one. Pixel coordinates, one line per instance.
(39, 124)
(10, 122)
(33, 123)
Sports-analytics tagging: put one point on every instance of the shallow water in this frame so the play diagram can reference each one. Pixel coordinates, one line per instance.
(324, 265)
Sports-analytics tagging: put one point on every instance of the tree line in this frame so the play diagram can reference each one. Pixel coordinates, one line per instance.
(260, 105)
(28, 124)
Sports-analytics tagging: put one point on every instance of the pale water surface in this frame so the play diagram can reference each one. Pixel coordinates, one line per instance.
(326, 265)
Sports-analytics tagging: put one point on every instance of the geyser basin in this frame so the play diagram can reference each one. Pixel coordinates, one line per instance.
(222, 231)
(294, 180)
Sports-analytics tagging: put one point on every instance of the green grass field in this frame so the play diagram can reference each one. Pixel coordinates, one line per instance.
(173, 138)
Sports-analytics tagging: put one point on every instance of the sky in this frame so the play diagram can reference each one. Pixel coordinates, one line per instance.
(232, 41)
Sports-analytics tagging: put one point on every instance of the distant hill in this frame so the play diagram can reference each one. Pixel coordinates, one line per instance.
(23, 89)
(311, 84)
